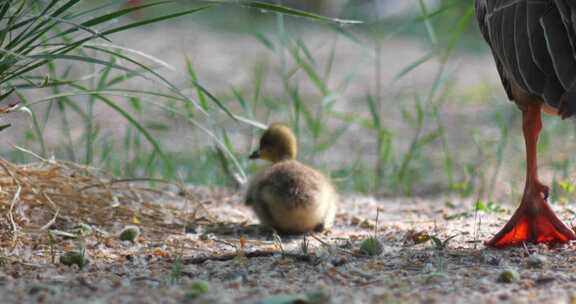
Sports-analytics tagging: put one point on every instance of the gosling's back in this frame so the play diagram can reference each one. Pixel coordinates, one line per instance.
(292, 198)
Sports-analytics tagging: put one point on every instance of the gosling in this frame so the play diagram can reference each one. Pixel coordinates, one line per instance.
(289, 196)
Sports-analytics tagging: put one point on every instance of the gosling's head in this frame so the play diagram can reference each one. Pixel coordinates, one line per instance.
(278, 143)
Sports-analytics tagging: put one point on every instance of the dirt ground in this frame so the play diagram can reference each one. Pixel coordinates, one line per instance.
(200, 245)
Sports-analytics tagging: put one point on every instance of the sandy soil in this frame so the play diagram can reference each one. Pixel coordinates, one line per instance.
(218, 245)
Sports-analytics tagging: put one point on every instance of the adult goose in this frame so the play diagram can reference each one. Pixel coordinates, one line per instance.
(534, 45)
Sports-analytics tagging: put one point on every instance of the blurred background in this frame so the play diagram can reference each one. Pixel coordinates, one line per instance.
(407, 102)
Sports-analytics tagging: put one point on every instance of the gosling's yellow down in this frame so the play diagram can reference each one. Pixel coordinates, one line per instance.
(289, 196)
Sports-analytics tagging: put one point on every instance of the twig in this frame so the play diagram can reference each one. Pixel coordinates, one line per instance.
(54, 206)
(376, 224)
(278, 242)
(15, 199)
(252, 254)
(51, 222)
(84, 282)
(3, 165)
(526, 248)
(143, 278)
(32, 153)
(134, 190)
(330, 246)
(225, 243)
(129, 180)
(227, 257)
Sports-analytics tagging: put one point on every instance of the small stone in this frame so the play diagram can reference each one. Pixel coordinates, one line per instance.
(320, 296)
(191, 229)
(508, 276)
(337, 262)
(130, 233)
(436, 278)
(492, 260)
(367, 224)
(239, 276)
(83, 229)
(428, 268)
(537, 261)
(38, 288)
(545, 280)
(504, 297)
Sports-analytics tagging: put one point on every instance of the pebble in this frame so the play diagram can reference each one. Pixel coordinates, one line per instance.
(537, 261)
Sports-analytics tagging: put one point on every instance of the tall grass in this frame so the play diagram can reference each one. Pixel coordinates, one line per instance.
(65, 49)
(38, 38)
(60, 61)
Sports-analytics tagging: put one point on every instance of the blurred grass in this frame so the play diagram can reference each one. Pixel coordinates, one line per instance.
(198, 133)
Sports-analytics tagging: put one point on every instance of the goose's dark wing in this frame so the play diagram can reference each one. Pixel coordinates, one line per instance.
(534, 46)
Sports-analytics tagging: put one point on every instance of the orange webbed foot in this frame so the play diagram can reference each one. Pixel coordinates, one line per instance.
(533, 222)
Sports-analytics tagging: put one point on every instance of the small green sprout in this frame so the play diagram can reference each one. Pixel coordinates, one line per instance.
(74, 258)
(130, 233)
(371, 247)
(197, 289)
(508, 276)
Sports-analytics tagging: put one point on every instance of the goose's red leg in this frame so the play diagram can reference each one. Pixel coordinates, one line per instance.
(534, 221)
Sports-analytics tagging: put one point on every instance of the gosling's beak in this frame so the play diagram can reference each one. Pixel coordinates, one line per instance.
(255, 155)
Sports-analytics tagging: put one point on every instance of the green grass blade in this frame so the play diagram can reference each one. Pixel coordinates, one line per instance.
(52, 57)
(165, 81)
(154, 20)
(275, 8)
(107, 17)
(409, 68)
(133, 122)
(199, 92)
